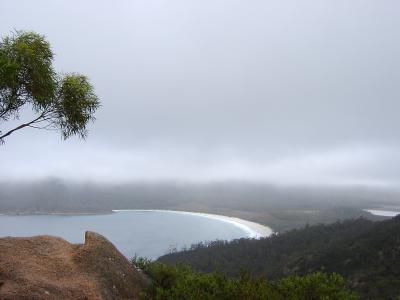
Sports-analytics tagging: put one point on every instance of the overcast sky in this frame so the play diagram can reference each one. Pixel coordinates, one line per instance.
(288, 92)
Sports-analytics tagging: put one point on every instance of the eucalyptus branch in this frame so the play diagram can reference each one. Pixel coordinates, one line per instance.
(36, 120)
(66, 103)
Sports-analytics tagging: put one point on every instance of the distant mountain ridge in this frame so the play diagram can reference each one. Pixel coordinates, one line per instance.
(366, 253)
(281, 208)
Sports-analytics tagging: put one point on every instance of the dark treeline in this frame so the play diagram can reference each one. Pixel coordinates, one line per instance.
(281, 208)
(365, 253)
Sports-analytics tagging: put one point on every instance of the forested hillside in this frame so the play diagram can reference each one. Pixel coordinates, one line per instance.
(366, 253)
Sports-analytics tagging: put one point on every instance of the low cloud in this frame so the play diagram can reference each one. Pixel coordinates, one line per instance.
(293, 93)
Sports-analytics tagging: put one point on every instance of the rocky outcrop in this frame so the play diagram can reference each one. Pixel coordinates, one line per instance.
(47, 267)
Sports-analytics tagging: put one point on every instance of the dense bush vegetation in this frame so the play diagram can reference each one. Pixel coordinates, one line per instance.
(365, 253)
(181, 282)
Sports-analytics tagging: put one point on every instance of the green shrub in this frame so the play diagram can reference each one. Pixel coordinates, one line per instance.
(179, 282)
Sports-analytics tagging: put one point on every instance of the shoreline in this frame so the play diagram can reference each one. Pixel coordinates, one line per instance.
(55, 213)
(253, 229)
(383, 213)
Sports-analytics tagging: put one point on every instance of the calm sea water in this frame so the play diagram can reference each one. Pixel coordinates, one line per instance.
(149, 234)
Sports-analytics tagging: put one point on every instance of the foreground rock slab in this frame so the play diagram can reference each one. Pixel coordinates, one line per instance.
(47, 267)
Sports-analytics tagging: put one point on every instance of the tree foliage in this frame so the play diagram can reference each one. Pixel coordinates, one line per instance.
(365, 253)
(66, 103)
(181, 282)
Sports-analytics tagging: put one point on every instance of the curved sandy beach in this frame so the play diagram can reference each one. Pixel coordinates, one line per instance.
(384, 213)
(253, 230)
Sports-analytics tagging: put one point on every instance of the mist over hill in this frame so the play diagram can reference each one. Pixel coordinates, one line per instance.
(276, 206)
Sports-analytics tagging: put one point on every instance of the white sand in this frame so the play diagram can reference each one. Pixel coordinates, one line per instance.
(253, 230)
(384, 213)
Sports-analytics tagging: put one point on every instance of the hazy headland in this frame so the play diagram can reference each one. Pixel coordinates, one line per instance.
(278, 207)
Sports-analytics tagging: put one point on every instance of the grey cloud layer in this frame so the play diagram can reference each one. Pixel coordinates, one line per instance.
(288, 91)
